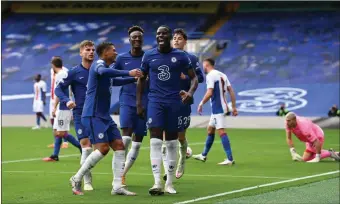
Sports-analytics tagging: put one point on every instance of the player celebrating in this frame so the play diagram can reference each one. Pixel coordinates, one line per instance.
(217, 84)
(164, 66)
(179, 41)
(52, 103)
(103, 130)
(39, 100)
(310, 133)
(129, 120)
(77, 78)
(62, 114)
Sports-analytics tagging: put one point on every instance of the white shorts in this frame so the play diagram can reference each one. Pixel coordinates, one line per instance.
(51, 108)
(62, 120)
(218, 121)
(38, 106)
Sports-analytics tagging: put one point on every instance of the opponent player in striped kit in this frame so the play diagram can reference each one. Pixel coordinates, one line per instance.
(52, 103)
(61, 113)
(39, 100)
(306, 131)
(217, 85)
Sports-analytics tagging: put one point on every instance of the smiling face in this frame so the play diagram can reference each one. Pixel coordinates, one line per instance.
(136, 39)
(163, 37)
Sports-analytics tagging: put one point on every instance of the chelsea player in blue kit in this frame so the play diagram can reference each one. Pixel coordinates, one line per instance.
(179, 41)
(164, 66)
(77, 78)
(129, 121)
(96, 117)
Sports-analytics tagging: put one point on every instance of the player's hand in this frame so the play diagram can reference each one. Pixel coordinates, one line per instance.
(235, 113)
(200, 108)
(136, 73)
(315, 160)
(141, 111)
(70, 105)
(53, 113)
(296, 157)
(183, 77)
(186, 97)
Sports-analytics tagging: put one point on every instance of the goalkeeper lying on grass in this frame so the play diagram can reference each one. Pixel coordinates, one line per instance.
(306, 131)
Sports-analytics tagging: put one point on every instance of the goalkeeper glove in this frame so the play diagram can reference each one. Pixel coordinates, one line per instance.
(295, 156)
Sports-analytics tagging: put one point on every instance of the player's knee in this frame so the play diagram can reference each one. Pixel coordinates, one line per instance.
(171, 136)
(156, 133)
(59, 133)
(103, 148)
(181, 136)
(117, 145)
(221, 132)
(138, 138)
(85, 142)
(211, 130)
(127, 131)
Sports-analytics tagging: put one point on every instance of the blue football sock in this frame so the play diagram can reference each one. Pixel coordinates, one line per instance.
(73, 141)
(65, 140)
(208, 143)
(226, 146)
(38, 120)
(57, 144)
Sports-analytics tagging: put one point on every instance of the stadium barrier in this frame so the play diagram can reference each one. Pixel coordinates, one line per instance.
(242, 122)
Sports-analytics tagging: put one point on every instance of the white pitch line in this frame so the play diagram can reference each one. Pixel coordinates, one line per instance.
(73, 155)
(256, 187)
(146, 174)
(36, 159)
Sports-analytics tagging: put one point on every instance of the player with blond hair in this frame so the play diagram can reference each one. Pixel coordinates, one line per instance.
(309, 133)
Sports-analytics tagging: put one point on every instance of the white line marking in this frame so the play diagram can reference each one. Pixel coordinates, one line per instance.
(256, 187)
(36, 159)
(146, 174)
(73, 155)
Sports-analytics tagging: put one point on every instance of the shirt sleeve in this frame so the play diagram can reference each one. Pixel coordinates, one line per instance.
(227, 82)
(145, 64)
(187, 62)
(195, 63)
(210, 81)
(62, 86)
(118, 64)
(110, 72)
(123, 81)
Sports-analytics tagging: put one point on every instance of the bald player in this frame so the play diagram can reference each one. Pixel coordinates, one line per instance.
(306, 131)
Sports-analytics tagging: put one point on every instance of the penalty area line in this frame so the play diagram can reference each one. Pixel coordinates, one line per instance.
(256, 187)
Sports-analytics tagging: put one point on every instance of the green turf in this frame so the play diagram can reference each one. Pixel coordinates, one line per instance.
(261, 157)
(326, 191)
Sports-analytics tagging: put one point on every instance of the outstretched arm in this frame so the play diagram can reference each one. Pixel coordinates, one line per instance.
(112, 72)
(123, 81)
